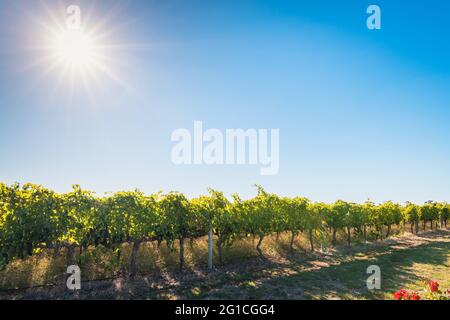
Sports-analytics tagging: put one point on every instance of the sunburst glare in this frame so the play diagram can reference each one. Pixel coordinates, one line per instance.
(75, 50)
(78, 59)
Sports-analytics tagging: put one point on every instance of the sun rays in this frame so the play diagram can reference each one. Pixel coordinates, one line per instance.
(84, 60)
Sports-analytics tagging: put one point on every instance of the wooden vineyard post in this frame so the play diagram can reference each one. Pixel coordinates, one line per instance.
(210, 248)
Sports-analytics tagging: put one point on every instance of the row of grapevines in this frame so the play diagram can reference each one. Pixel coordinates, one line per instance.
(33, 217)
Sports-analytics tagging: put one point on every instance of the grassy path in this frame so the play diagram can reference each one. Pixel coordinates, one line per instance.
(406, 263)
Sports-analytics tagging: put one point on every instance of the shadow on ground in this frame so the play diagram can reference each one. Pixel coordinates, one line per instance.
(336, 274)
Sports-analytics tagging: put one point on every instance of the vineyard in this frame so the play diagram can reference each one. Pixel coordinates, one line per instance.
(34, 218)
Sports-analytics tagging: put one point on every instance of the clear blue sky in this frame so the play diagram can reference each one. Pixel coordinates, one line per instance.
(362, 114)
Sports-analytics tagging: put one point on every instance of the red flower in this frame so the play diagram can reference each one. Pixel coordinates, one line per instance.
(401, 295)
(433, 286)
(415, 296)
(397, 295)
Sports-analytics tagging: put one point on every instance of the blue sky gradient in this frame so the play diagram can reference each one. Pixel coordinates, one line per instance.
(362, 114)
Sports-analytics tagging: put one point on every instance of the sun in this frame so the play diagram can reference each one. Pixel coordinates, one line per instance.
(75, 50)
(77, 53)
(81, 62)
(86, 60)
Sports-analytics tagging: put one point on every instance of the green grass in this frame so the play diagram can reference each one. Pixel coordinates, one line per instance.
(402, 267)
